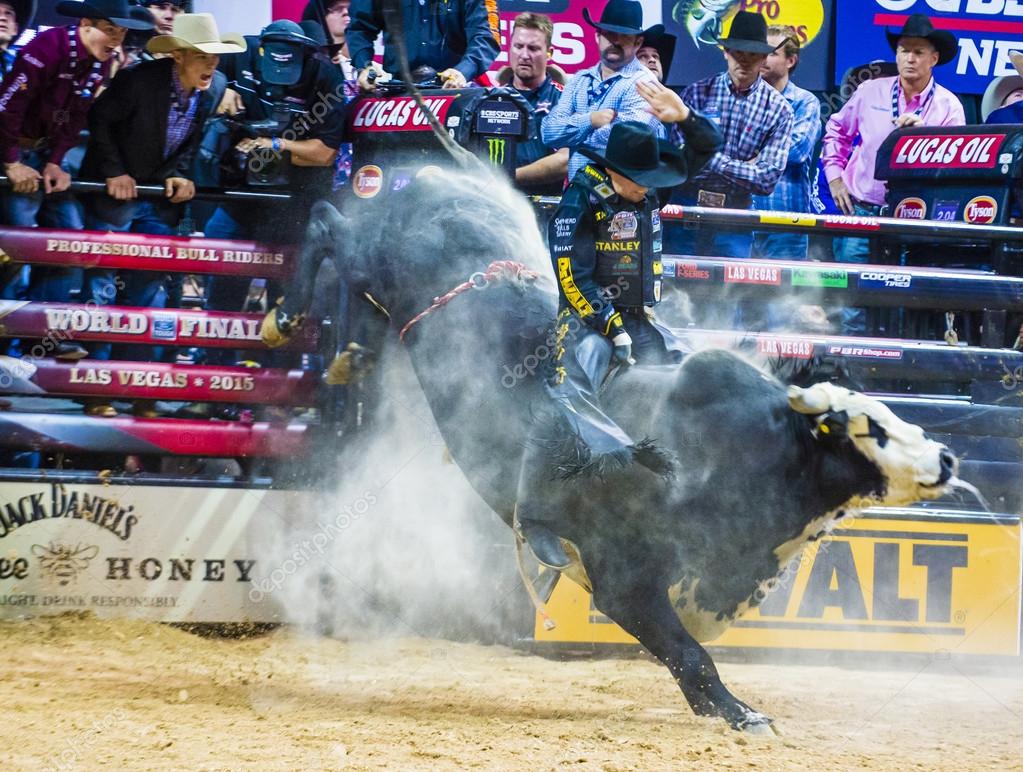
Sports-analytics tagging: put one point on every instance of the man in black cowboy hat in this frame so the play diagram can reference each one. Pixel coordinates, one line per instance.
(605, 240)
(604, 94)
(15, 17)
(756, 122)
(877, 108)
(656, 53)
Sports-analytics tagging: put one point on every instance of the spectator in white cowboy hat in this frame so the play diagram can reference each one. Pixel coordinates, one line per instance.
(1003, 99)
(15, 17)
(599, 97)
(145, 129)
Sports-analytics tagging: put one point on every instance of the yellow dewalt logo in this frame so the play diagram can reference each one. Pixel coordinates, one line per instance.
(575, 298)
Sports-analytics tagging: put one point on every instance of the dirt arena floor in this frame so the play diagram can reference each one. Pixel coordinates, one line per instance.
(80, 693)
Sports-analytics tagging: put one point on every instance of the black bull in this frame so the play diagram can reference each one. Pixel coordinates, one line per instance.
(762, 470)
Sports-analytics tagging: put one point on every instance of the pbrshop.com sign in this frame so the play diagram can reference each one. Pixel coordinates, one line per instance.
(988, 31)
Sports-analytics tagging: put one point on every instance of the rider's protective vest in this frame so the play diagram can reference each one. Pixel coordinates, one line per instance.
(606, 250)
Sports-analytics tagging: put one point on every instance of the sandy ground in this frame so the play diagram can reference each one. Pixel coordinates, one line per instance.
(80, 693)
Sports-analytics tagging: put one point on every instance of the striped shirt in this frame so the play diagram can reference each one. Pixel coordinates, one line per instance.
(792, 193)
(756, 125)
(181, 115)
(568, 124)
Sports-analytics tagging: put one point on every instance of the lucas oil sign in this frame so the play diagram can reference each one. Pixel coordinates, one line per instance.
(898, 582)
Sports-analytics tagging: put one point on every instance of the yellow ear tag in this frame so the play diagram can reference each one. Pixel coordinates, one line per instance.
(824, 429)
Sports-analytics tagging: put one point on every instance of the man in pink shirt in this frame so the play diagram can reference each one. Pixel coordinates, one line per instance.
(877, 108)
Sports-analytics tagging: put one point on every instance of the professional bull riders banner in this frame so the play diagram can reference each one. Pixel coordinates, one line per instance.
(988, 31)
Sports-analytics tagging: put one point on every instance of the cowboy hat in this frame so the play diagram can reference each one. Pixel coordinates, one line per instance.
(635, 152)
(117, 12)
(748, 33)
(198, 32)
(624, 17)
(996, 92)
(919, 26)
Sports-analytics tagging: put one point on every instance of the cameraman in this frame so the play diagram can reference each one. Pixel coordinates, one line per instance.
(279, 79)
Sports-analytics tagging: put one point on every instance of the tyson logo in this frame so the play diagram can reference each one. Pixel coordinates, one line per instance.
(980, 210)
(368, 181)
(911, 209)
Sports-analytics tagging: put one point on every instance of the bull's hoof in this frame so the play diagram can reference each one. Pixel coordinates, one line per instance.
(349, 366)
(278, 329)
(756, 723)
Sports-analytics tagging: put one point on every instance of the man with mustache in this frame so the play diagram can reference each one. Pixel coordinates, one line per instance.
(756, 122)
(604, 95)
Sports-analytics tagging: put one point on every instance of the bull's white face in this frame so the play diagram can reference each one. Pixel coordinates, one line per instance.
(914, 467)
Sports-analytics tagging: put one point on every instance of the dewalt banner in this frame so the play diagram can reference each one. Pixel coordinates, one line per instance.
(885, 582)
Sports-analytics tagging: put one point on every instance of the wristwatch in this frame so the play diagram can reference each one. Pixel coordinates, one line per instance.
(276, 144)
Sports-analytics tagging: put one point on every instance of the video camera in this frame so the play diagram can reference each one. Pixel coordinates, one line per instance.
(262, 168)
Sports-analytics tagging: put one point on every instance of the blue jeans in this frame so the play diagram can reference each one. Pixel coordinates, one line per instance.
(780, 246)
(855, 250)
(144, 289)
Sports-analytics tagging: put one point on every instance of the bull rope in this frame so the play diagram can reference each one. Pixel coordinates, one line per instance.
(499, 270)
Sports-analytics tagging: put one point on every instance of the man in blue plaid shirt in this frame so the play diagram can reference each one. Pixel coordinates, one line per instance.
(756, 122)
(793, 192)
(605, 94)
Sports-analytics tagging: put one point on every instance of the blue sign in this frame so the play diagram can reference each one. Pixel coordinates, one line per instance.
(988, 31)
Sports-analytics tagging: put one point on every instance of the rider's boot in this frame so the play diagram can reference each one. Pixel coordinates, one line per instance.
(545, 544)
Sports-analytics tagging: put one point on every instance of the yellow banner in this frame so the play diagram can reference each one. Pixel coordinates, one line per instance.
(898, 583)
(804, 220)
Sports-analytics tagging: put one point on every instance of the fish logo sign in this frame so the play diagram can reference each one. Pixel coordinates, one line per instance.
(64, 563)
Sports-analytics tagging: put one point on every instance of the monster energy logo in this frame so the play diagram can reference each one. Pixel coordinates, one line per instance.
(495, 147)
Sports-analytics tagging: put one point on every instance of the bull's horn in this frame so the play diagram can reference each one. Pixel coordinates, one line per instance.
(809, 401)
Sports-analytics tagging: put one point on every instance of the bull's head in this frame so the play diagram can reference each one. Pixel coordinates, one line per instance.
(913, 467)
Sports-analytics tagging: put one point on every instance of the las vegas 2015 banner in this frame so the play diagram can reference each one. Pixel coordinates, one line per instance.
(988, 31)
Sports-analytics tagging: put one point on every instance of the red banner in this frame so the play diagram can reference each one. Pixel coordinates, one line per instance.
(59, 322)
(397, 114)
(218, 439)
(149, 380)
(947, 151)
(93, 249)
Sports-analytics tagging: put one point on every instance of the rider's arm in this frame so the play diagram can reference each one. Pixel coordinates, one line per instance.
(571, 236)
(310, 152)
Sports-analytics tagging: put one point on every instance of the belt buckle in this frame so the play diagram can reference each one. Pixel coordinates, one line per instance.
(711, 198)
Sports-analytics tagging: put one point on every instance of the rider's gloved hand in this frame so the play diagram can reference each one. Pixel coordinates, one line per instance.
(623, 349)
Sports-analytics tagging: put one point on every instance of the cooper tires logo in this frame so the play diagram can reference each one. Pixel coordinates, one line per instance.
(884, 279)
(368, 181)
(981, 210)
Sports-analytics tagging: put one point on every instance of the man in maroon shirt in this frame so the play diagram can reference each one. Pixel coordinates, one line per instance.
(44, 103)
(45, 98)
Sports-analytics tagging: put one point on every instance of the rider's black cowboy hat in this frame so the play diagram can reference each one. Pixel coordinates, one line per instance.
(748, 33)
(624, 17)
(919, 26)
(118, 12)
(634, 151)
